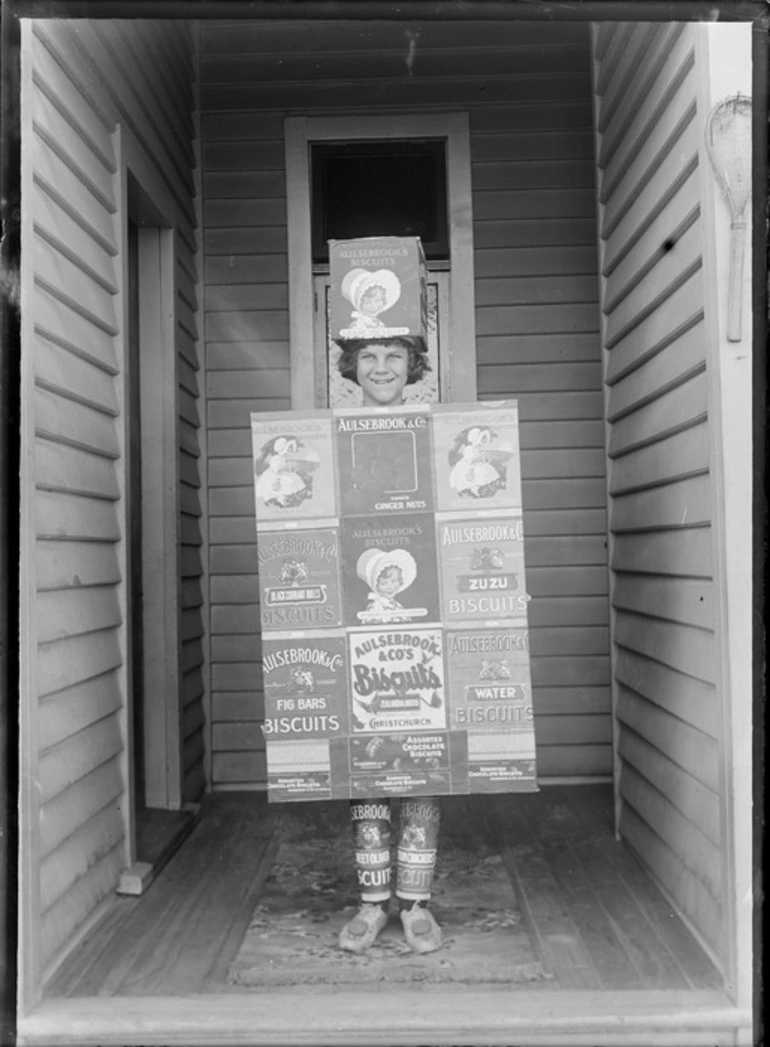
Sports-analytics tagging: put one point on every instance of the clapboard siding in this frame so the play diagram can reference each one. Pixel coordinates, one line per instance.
(527, 92)
(76, 410)
(661, 497)
(72, 709)
(83, 80)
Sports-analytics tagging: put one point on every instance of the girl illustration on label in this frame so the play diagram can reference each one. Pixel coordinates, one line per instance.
(387, 574)
(478, 466)
(284, 471)
(370, 293)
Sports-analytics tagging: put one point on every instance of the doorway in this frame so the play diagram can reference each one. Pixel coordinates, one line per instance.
(134, 501)
(437, 148)
(154, 717)
(365, 188)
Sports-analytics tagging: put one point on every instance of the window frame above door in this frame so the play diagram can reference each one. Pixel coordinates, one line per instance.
(299, 133)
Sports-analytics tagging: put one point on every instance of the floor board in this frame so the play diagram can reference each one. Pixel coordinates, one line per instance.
(549, 919)
(158, 833)
(596, 918)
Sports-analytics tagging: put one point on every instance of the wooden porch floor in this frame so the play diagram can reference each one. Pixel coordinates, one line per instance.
(595, 917)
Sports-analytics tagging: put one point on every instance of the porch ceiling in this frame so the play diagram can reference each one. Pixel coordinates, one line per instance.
(258, 65)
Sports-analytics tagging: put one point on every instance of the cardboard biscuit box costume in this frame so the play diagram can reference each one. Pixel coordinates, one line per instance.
(393, 602)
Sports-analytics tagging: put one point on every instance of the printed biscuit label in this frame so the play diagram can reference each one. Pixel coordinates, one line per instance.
(389, 570)
(305, 685)
(502, 761)
(298, 770)
(399, 752)
(299, 578)
(396, 680)
(476, 458)
(384, 460)
(488, 672)
(293, 461)
(482, 569)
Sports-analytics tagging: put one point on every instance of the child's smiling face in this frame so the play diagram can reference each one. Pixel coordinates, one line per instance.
(390, 582)
(382, 371)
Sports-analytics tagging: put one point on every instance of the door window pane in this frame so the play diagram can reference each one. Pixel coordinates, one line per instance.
(367, 188)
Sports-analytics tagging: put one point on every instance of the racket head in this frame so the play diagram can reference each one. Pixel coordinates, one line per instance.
(728, 144)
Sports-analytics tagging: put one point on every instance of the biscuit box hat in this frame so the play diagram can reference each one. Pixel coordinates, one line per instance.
(394, 263)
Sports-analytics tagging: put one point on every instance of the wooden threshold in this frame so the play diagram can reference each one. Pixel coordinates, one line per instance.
(391, 1018)
(159, 833)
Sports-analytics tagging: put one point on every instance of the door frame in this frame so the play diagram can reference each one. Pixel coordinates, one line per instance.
(459, 369)
(152, 210)
(724, 58)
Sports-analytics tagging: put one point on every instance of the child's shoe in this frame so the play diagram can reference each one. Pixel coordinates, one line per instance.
(359, 933)
(421, 931)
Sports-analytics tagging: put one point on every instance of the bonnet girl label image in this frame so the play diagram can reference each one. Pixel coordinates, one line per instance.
(299, 579)
(389, 570)
(384, 460)
(293, 468)
(476, 457)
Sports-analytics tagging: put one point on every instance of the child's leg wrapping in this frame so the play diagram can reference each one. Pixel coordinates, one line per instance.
(371, 830)
(417, 848)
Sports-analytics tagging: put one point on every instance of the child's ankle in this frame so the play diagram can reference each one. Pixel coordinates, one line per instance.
(384, 905)
(411, 903)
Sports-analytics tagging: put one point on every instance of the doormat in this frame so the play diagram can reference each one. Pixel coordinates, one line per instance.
(310, 893)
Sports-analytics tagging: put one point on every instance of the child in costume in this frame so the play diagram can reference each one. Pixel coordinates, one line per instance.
(383, 368)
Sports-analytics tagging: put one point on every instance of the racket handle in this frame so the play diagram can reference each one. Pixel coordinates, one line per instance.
(735, 287)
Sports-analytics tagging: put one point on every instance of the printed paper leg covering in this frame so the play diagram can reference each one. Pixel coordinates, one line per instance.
(371, 828)
(417, 844)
